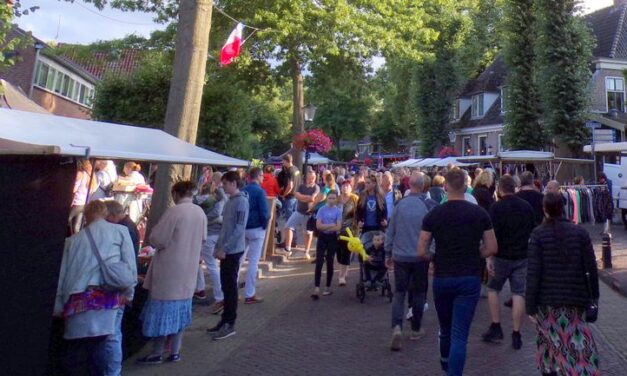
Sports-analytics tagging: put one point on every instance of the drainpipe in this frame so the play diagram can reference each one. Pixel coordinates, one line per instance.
(38, 47)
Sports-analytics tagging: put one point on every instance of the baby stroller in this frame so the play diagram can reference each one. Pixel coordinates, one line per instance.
(381, 281)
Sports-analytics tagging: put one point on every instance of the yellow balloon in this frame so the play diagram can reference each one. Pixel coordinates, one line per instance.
(354, 244)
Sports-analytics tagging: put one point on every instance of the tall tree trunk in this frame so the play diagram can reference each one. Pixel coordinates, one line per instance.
(185, 97)
(298, 102)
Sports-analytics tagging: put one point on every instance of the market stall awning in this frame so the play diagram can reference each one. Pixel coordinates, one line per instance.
(526, 156)
(33, 133)
(609, 147)
(406, 163)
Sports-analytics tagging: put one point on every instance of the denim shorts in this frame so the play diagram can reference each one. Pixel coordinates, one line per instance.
(297, 220)
(514, 270)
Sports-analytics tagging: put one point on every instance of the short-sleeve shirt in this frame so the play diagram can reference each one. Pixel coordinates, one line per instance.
(329, 215)
(303, 207)
(287, 175)
(370, 219)
(534, 198)
(457, 228)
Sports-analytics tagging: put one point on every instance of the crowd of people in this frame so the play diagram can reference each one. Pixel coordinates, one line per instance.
(473, 232)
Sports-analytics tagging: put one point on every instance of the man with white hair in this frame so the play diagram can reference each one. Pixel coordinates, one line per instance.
(552, 187)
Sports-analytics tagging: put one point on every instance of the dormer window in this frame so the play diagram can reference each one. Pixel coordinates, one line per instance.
(503, 99)
(455, 110)
(615, 88)
(477, 105)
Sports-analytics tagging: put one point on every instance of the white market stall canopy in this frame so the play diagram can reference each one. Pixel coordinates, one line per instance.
(32, 133)
(610, 147)
(316, 159)
(406, 163)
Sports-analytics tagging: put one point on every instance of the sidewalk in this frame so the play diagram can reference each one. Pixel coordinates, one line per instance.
(288, 334)
(616, 278)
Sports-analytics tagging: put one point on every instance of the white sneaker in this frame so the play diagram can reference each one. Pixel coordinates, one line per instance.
(342, 282)
(426, 307)
(395, 343)
(410, 314)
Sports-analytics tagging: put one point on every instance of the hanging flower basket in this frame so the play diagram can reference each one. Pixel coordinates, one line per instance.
(314, 140)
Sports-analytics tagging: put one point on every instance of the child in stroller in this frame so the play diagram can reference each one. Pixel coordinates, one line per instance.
(374, 264)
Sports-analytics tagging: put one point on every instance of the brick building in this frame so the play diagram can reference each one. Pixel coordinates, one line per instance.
(54, 82)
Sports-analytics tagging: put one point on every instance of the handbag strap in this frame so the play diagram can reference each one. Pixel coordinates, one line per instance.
(587, 276)
(94, 247)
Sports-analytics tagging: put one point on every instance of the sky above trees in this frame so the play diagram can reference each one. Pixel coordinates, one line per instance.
(80, 23)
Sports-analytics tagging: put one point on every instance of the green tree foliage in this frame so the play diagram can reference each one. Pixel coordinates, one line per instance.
(523, 130)
(139, 99)
(10, 42)
(243, 114)
(395, 120)
(340, 88)
(438, 78)
(563, 50)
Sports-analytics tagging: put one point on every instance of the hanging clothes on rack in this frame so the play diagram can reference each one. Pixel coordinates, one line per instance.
(587, 204)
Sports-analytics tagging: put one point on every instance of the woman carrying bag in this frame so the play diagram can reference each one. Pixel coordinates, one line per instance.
(562, 294)
(86, 296)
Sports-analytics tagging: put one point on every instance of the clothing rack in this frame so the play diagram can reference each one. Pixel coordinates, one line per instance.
(584, 186)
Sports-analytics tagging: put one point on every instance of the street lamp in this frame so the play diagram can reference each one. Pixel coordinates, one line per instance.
(310, 112)
(451, 136)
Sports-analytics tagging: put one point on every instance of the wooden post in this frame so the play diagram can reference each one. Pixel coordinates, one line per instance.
(268, 242)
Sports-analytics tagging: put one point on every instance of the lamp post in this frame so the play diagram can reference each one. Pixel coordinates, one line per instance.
(309, 112)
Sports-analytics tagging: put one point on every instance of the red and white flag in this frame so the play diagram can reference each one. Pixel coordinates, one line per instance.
(231, 48)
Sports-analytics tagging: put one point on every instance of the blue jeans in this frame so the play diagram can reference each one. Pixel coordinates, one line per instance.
(410, 278)
(289, 207)
(105, 355)
(455, 302)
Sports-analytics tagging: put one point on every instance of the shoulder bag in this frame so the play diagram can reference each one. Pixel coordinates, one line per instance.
(116, 276)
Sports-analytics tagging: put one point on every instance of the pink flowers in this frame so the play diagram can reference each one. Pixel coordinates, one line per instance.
(313, 140)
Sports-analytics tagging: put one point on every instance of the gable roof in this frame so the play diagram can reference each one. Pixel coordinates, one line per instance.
(99, 64)
(609, 28)
(490, 80)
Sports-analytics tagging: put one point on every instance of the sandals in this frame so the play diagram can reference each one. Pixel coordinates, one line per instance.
(150, 359)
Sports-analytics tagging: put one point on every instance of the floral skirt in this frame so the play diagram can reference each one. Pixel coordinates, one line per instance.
(165, 317)
(565, 343)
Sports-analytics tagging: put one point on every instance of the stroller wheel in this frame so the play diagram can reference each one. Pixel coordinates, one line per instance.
(361, 292)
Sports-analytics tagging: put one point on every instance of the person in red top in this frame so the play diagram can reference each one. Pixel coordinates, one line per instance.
(270, 184)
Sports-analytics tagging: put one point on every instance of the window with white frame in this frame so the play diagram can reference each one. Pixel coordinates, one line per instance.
(477, 105)
(482, 144)
(52, 79)
(466, 147)
(504, 99)
(455, 110)
(501, 148)
(615, 88)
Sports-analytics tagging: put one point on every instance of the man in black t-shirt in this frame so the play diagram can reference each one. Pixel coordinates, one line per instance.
(513, 220)
(529, 193)
(458, 228)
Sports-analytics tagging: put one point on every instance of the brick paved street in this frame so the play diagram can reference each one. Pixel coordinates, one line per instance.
(289, 334)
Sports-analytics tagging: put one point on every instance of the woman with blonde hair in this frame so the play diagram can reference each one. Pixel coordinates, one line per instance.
(125, 186)
(482, 190)
(93, 313)
(371, 210)
(84, 185)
